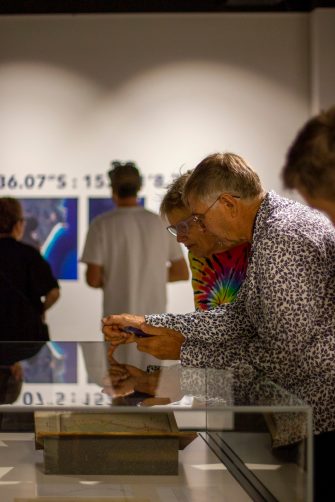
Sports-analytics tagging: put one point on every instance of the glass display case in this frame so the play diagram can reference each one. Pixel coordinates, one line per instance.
(75, 422)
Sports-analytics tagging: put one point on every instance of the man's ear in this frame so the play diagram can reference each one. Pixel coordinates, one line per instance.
(17, 230)
(231, 203)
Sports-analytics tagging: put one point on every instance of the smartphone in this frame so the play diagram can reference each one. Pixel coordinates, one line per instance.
(134, 331)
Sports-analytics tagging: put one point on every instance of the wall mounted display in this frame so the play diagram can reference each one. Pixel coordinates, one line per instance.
(51, 226)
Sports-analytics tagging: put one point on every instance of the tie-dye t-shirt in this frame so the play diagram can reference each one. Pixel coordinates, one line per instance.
(217, 279)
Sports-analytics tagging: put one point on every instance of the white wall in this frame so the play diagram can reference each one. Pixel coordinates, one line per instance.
(164, 90)
(322, 59)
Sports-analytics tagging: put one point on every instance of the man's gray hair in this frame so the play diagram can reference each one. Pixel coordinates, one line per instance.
(222, 173)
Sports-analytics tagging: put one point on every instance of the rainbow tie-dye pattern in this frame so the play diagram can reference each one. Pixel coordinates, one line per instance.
(217, 279)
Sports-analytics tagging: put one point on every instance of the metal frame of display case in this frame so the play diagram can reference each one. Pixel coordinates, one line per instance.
(237, 467)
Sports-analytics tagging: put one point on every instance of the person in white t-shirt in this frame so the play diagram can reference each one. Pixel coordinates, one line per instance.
(129, 254)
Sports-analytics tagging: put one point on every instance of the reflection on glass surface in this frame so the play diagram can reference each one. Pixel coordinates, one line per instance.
(88, 374)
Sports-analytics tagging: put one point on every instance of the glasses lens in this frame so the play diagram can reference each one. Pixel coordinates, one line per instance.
(172, 230)
(182, 227)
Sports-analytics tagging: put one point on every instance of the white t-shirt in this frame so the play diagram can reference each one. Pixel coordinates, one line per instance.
(133, 247)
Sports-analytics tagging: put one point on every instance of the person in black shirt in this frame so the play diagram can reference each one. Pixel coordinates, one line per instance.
(27, 288)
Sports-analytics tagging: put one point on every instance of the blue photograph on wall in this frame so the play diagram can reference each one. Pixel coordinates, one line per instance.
(97, 206)
(52, 227)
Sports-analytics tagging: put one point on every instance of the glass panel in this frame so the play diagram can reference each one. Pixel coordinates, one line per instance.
(75, 374)
(260, 432)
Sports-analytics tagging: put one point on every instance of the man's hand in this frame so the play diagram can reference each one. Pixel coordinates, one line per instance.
(124, 379)
(17, 371)
(112, 328)
(163, 343)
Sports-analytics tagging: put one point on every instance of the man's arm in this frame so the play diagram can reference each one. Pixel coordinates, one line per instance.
(42, 281)
(281, 323)
(217, 338)
(92, 256)
(178, 270)
(94, 275)
(163, 343)
(51, 298)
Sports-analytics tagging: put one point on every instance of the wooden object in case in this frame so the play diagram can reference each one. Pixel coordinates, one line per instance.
(110, 443)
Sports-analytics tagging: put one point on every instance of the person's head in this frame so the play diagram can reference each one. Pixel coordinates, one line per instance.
(11, 218)
(310, 163)
(125, 180)
(224, 194)
(182, 226)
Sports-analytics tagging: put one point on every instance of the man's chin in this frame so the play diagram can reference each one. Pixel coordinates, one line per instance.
(195, 251)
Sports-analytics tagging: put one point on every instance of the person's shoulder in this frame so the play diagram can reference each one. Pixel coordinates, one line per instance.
(103, 219)
(27, 249)
(287, 216)
(19, 251)
(152, 218)
(28, 253)
(150, 214)
(292, 222)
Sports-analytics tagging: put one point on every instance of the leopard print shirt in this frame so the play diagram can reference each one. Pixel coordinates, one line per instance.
(282, 323)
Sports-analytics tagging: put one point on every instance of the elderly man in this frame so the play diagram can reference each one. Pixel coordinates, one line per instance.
(282, 323)
(310, 163)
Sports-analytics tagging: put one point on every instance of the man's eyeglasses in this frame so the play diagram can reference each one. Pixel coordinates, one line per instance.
(182, 227)
(200, 217)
